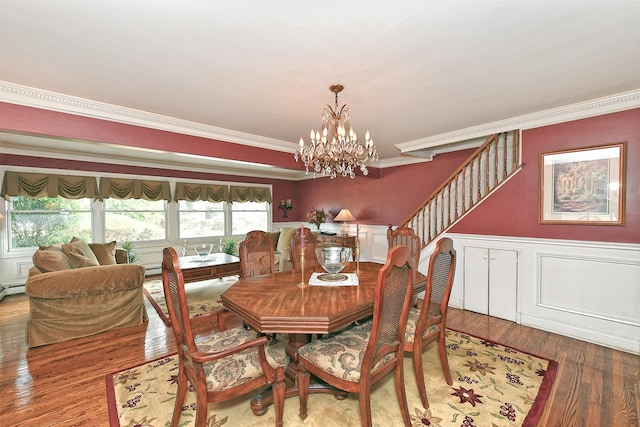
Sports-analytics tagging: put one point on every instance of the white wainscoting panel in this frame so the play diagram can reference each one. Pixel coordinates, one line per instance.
(585, 290)
(563, 282)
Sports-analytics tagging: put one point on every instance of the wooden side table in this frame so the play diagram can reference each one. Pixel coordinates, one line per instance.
(195, 269)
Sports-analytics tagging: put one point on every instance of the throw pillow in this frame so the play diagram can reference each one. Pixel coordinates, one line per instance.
(80, 261)
(50, 260)
(56, 247)
(284, 242)
(105, 252)
(79, 247)
(274, 238)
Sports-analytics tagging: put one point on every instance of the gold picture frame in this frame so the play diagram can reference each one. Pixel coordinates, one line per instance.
(583, 186)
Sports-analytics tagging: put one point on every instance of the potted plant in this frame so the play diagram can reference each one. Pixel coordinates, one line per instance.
(131, 255)
(229, 246)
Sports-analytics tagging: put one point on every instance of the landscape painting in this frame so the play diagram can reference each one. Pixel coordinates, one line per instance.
(584, 186)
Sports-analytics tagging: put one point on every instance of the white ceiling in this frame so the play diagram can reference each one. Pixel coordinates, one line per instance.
(412, 70)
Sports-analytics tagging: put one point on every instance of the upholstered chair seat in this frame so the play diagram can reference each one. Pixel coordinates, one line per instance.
(410, 331)
(237, 368)
(341, 354)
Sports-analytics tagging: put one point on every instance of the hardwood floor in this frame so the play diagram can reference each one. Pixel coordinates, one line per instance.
(64, 384)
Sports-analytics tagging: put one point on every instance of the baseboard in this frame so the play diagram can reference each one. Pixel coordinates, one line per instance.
(617, 342)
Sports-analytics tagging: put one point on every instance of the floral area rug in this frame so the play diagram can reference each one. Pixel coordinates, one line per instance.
(493, 385)
(203, 297)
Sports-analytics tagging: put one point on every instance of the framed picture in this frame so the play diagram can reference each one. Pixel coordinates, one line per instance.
(583, 186)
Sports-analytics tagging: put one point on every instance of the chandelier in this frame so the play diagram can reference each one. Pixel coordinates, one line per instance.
(342, 154)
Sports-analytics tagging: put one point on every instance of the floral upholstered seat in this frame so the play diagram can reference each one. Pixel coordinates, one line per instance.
(341, 354)
(238, 368)
(410, 331)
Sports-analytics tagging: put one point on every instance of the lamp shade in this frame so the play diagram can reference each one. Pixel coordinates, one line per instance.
(344, 215)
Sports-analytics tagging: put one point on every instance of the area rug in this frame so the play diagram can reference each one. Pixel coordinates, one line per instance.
(493, 385)
(203, 297)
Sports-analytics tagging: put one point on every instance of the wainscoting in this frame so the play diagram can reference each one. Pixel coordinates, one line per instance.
(585, 290)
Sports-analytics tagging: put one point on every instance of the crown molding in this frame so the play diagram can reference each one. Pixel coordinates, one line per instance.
(416, 151)
(610, 104)
(39, 98)
(83, 151)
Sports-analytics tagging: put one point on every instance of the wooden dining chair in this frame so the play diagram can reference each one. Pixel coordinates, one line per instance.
(405, 236)
(208, 361)
(359, 356)
(429, 321)
(256, 254)
(310, 244)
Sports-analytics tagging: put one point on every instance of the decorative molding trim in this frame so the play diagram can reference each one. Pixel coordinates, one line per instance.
(39, 98)
(591, 108)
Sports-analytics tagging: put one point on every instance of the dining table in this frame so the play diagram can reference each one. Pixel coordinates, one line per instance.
(285, 303)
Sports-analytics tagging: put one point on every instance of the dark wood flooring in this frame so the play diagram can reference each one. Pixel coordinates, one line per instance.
(64, 384)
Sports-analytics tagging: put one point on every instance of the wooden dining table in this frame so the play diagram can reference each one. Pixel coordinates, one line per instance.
(285, 303)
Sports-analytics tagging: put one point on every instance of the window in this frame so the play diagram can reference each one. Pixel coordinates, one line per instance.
(247, 216)
(201, 218)
(135, 220)
(47, 220)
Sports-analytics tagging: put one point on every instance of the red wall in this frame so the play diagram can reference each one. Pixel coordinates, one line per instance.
(387, 200)
(17, 118)
(513, 210)
(387, 196)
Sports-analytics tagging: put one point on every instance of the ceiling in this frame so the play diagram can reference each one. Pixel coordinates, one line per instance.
(415, 72)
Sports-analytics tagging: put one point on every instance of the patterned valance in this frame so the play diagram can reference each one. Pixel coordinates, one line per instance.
(206, 192)
(134, 189)
(250, 194)
(43, 185)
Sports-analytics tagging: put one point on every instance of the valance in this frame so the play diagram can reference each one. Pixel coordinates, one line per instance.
(44, 185)
(250, 194)
(206, 192)
(134, 189)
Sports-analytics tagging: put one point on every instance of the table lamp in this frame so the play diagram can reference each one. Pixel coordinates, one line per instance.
(345, 216)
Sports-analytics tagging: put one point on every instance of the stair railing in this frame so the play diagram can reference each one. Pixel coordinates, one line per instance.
(481, 174)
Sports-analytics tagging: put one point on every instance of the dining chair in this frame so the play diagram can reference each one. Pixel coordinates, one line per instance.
(310, 244)
(405, 236)
(429, 321)
(358, 357)
(221, 365)
(256, 254)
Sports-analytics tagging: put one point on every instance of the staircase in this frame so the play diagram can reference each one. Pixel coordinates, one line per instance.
(481, 174)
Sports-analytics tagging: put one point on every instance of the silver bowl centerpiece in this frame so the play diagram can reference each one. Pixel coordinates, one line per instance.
(333, 259)
(203, 249)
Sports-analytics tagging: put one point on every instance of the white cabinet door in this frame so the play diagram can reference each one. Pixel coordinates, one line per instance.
(491, 281)
(503, 283)
(476, 279)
